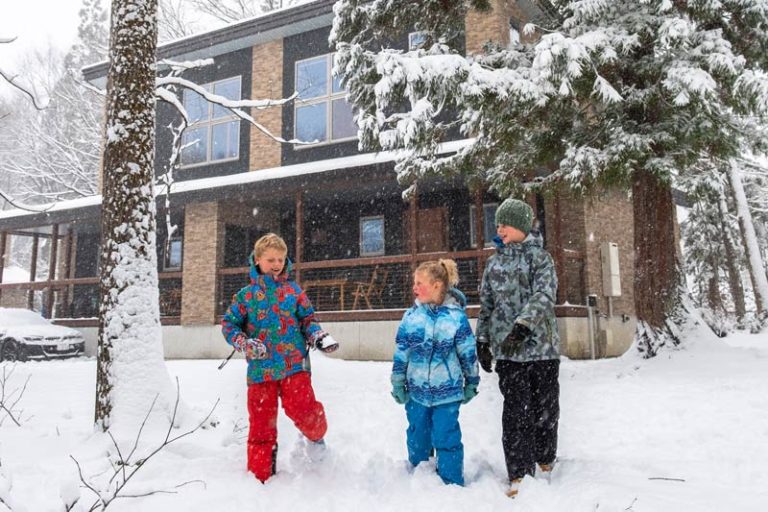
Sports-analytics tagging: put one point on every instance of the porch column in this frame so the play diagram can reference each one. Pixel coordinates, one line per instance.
(203, 249)
(413, 244)
(479, 231)
(33, 270)
(66, 268)
(562, 275)
(3, 245)
(53, 255)
(298, 257)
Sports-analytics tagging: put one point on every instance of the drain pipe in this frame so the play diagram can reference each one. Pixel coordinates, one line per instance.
(591, 303)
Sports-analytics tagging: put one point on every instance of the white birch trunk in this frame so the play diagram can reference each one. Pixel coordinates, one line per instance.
(754, 259)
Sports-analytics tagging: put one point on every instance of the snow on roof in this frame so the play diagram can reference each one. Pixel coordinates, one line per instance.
(299, 17)
(285, 171)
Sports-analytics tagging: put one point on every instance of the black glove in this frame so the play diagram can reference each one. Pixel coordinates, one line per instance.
(519, 337)
(485, 356)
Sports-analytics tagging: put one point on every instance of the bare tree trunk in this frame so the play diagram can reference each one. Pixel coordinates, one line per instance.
(734, 276)
(751, 246)
(656, 282)
(130, 369)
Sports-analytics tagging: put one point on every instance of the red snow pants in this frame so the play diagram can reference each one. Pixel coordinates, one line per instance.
(300, 406)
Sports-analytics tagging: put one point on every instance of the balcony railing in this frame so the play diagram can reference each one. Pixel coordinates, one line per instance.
(364, 286)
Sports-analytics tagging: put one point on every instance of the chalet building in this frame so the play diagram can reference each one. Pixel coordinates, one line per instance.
(353, 239)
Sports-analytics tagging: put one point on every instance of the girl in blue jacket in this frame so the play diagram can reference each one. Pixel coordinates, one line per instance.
(435, 368)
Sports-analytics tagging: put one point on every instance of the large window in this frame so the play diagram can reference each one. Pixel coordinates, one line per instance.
(489, 224)
(322, 114)
(213, 134)
(372, 236)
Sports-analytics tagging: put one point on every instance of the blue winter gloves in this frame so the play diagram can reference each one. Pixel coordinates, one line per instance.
(399, 393)
(470, 392)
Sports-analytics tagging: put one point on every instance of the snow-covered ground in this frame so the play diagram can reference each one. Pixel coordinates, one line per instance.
(685, 431)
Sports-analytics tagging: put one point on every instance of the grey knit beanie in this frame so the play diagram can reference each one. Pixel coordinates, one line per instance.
(515, 213)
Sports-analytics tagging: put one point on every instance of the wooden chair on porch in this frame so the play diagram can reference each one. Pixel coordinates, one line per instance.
(373, 289)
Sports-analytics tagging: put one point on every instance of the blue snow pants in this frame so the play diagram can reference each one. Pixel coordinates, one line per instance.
(437, 427)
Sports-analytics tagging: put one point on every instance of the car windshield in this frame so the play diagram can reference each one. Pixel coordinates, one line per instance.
(20, 317)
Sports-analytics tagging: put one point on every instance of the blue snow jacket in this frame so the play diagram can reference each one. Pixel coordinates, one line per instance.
(435, 353)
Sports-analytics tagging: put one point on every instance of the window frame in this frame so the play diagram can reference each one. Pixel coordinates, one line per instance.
(328, 98)
(167, 254)
(383, 236)
(472, 231)
(210, 122)
(413, 35)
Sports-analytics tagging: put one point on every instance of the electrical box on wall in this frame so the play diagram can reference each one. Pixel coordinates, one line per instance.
(609, 257)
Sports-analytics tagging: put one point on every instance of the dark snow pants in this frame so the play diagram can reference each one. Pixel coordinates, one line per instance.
(438, 427)
(300, 405)
(531, 412)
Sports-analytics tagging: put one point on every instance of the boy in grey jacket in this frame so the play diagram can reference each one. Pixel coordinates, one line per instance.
(516, 327)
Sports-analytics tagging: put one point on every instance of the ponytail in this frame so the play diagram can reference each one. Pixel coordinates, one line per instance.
(444, 270)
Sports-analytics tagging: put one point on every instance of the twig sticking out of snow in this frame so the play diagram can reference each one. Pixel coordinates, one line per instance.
(126, 467)
(9, 399)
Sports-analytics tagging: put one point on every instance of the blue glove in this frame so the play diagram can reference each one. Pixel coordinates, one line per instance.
(399, 393)
(470, 392)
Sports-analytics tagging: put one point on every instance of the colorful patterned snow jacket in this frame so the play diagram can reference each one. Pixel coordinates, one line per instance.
(435, 353)
(278, 313)
(519, 285)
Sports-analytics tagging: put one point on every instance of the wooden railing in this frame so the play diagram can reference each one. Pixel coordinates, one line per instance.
(79, 297)
(363, 285)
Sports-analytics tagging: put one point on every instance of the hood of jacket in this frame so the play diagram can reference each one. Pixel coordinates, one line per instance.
(534, 239)
(257, 277)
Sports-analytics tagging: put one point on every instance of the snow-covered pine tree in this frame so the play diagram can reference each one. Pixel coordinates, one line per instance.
(131, 370)
(625, 93)
(710, 258)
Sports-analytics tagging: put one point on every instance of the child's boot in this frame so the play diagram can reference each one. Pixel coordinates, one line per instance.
(315, 451)
(514, 487)
(545, 471)
(308, 452)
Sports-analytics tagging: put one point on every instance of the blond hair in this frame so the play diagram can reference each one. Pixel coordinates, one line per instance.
(269, 241)
(443, 270)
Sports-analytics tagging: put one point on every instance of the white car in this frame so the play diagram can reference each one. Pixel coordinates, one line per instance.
(26, 335)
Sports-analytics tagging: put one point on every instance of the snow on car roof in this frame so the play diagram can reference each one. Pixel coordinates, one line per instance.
(13, 317)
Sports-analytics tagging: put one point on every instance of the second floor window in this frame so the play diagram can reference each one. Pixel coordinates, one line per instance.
(322, 113)
(214, 132)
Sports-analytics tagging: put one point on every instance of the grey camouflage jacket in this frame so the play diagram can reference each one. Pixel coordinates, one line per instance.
(519, 285)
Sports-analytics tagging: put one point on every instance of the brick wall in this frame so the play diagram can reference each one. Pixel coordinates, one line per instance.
(203, 248)
(493, 25)
(267, 83)
(609, 218)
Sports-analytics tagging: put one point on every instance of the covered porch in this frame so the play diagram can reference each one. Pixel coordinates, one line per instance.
(354, 242)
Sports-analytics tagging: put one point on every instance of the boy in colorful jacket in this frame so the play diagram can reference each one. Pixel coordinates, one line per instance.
(435, 369)
(516, 326)
(273, 323)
